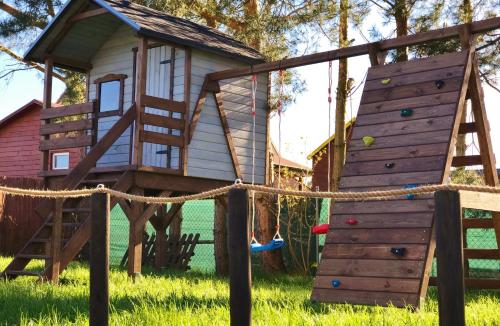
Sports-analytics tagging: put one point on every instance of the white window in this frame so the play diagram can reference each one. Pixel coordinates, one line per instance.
(60, 161)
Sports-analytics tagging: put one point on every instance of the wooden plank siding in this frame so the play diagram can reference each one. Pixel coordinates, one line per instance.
(114, 57)
(359, 256)
(209, 144)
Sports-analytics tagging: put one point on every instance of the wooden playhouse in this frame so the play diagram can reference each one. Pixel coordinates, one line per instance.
(143, 125)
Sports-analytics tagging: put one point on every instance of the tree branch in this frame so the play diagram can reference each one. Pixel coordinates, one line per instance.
(16, 13)
(34, 65)
(489, 43)
(489, 82)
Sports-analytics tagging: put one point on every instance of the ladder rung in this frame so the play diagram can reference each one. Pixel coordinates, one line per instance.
(23, 273)
(466, 128)
(459, 161)
(481, 253)
(33, 256)
(477, 223)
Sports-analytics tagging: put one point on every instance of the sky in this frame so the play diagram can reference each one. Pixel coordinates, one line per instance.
(304, 123)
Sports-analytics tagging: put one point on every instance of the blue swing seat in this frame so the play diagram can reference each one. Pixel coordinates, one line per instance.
(271, 245)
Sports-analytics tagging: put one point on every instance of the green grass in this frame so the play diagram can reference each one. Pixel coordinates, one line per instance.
(201, 299)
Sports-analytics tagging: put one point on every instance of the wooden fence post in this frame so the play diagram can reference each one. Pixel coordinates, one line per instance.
(99, 260)
(240, 287)
(450, 260)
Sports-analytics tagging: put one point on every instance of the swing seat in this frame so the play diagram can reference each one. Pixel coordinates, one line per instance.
(320, 229)
(271, 245)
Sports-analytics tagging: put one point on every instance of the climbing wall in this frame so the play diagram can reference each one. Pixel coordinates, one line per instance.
(380, 252)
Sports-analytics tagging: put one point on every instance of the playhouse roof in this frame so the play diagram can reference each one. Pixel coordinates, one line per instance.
(330, 139)
(145, 21)
(284, 162)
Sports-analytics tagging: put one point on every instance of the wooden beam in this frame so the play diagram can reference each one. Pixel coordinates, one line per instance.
(58, 128)
(459, 161)
(357, 50)
(474, 283)
(88, 14)
(227, 134)
(161, 121)
(197, 109)
(68, 110)
(163, 104)
(481, 253)
(480, 200)
(99, 260)
(136, 234)
(66, 142)
(240, 274)
(160, 138)
(177, 183)
(450, 260)
(142, 69)
(148, 212)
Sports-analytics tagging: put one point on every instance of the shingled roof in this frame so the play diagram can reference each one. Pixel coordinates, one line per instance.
(155, 24)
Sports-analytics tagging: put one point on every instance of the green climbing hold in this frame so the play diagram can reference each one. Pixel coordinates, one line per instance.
(406, 112)
(368, 140)
(385, 81)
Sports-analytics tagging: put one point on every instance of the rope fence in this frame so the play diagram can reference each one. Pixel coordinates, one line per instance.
(339, 195)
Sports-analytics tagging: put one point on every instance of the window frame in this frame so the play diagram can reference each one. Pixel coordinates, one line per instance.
(109, 78)
(53, 165)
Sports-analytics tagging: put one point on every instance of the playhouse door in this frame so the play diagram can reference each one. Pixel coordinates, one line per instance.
(160, 83)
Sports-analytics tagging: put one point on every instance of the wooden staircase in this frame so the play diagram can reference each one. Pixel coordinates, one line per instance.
(67, 222)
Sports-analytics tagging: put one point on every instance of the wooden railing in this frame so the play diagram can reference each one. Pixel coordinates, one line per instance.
(169, 122)
(67, 127)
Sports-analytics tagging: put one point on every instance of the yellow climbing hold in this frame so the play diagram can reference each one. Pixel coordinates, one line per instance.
(368, 140)
(385, 81)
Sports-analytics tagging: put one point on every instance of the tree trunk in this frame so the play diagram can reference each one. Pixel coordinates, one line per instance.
(220, 237)
(272, 261)
(401, 16)
(341, 100)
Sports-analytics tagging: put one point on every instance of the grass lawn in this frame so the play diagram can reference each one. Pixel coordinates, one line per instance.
(201, 299)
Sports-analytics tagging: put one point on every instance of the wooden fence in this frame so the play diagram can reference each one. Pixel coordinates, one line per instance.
(18, 219)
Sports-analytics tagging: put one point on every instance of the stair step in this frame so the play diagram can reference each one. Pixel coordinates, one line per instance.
(40, 240)
(33, 256)
(23, 273)
(64, 224)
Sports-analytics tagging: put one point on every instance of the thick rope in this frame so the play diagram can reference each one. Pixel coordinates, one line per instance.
(351, 196)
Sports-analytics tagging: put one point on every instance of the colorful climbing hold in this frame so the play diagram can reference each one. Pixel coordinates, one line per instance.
(351, 221)
(406, 112)
(320, 229)
(335, 283)
(368, 140)
(439, 84)
(389, 165)
(400, 252)
(385, 81)
(410, 186)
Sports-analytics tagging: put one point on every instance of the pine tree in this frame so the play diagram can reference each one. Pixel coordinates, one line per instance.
(24, 20)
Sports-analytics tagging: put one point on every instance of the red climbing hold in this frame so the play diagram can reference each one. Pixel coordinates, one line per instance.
(320, 229)
(351, 221)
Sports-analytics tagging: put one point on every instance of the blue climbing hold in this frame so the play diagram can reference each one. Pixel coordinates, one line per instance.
(335, 283)
(411, 186)
(400, 252)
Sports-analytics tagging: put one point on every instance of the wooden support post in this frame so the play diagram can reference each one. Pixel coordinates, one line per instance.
(140, 90)
(220, 236)
(136, 234)
(47, 103)
(56, 239)
(160, 240)
(239, 258)
(450, 260)
(99, 260)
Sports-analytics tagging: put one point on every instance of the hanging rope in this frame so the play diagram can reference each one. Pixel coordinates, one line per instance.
(330, 82)
(280, 111)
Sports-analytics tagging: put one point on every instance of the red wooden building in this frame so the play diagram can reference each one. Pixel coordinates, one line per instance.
(20, 141)
(320, 159)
